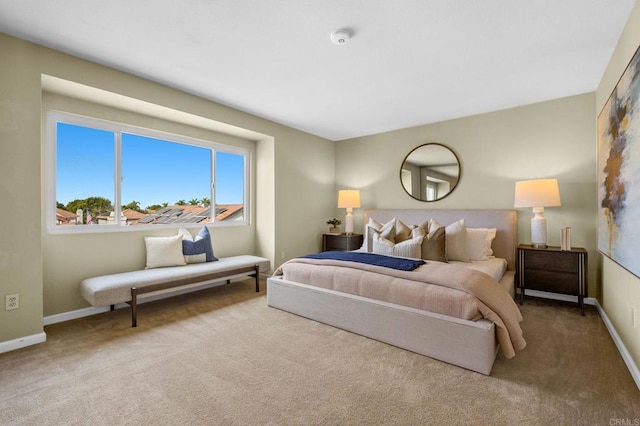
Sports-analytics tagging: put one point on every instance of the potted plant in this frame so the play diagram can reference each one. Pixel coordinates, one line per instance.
(334, 225)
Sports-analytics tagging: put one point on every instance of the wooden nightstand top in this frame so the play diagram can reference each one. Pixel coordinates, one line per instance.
(551, 248)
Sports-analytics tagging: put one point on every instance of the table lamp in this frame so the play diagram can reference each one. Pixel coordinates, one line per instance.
(348, 199)
(537, 193)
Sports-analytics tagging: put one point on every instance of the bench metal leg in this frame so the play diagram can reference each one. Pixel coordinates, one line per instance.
(257, 276)
(134, 306)
(113, 307)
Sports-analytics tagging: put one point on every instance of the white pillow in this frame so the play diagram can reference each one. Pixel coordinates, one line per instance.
(407, 248)
(164, 251)
(455, 240)
(387, 230)
(420, 230)
(479, 241)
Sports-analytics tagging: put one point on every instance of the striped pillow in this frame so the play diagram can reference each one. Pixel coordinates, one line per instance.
(409, 248)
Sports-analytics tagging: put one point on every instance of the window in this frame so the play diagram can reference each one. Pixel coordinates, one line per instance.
(111, 175)
(431, 189)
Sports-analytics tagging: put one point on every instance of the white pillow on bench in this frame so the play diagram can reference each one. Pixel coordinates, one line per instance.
(164, 251)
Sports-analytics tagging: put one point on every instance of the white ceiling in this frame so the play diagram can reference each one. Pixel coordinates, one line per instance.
(409, 62)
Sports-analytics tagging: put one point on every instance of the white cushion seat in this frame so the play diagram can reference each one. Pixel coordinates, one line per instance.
(116, 288)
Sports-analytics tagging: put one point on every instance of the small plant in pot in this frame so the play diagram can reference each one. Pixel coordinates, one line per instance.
(334, 225)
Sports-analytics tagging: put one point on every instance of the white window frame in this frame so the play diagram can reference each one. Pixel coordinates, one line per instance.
(429, 187)
(54, 117)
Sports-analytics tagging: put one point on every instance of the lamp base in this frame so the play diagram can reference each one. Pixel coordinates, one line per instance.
(348, 222)
(538, 228)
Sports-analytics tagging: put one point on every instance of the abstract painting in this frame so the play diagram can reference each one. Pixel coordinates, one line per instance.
(619, 171)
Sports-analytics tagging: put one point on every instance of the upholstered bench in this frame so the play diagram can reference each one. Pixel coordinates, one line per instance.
(126, 286)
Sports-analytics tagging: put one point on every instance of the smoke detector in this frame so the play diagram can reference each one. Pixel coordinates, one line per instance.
(340, 37)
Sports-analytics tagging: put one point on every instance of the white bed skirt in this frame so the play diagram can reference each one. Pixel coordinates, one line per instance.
(468, 344)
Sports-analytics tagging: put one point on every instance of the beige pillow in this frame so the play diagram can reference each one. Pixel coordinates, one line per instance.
(164, 251)
(433, 243)
(420, 230)
(479, 241)
(409, 248)
(456, 247)
(403, 232)
(387, 230)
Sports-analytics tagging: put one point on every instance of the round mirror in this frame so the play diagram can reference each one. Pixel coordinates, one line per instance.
(430, 172)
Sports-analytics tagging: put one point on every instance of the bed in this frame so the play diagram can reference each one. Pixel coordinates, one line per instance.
(379, 303)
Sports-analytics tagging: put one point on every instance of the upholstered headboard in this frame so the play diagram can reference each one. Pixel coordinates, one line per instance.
(505, 222)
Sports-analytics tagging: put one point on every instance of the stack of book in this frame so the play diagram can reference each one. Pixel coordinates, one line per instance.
(565, 241)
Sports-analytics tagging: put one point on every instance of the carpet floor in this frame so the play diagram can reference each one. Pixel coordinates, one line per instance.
(221, 356)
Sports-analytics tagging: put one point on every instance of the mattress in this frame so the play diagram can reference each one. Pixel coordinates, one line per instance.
(495, 267)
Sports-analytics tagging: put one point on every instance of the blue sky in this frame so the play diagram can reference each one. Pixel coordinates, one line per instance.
(153, 171)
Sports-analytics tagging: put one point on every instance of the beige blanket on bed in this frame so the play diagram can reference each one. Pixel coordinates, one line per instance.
(435, 287)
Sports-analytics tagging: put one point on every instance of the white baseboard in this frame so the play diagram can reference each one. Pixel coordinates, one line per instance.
(626, 356)
(22, 342)
(562, 297)
(68, 316)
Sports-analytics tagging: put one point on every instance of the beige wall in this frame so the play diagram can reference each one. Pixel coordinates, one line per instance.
(549, 139)
(292, 201)
(621, 289)
(20, 235)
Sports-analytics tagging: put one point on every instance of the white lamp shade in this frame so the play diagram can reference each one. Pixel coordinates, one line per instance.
(348, 198)
(537, 193)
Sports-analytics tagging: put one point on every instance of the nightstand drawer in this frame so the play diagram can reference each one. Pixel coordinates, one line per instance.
(341, 242)
(555, 282)
(552, 261)
(334, 246)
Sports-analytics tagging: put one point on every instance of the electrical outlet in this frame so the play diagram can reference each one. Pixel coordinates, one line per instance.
(11, 301)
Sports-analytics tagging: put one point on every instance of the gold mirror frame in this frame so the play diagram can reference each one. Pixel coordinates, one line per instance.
(430, 172)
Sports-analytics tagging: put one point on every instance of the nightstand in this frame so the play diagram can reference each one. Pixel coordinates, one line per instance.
(341, 242)
(553, 270)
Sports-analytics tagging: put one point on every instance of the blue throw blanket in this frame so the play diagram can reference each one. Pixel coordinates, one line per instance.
(398, 263)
